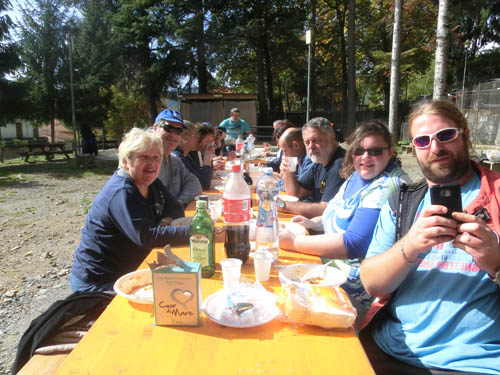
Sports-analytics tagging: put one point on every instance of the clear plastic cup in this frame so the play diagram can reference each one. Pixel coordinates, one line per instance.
(262, 261)
(292, 163)
(231, 270)
(215, 208)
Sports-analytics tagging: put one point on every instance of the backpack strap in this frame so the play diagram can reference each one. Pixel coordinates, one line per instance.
(404, 205)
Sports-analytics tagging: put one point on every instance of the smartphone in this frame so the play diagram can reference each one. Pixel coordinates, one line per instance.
(449, 196)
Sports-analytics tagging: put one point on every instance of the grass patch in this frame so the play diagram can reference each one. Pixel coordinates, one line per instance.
(62, 169)
(11, 179)
(86, 203)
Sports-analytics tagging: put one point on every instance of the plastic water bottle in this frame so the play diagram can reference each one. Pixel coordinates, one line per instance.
(237, 201)
(267, 231)
(245, 165)
(251, 145)
(239, 144)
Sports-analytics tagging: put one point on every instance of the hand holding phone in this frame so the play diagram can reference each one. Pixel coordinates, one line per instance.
(449, 196)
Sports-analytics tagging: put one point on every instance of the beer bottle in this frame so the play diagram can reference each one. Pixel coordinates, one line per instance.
(202, 239)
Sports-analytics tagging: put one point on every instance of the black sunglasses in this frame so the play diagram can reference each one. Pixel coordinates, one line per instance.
(172, 129)
(375, 151)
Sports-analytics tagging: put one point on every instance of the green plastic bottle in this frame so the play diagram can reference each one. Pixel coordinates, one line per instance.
(202, 239)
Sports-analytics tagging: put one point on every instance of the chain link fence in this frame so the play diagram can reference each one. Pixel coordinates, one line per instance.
(481, 107)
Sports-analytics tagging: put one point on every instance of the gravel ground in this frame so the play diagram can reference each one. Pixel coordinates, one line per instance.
(42, 210)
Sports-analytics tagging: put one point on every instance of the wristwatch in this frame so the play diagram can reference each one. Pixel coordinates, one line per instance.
(281, 204)
(497, 277)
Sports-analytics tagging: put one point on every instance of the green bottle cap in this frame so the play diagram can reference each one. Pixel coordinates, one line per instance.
(201, 204)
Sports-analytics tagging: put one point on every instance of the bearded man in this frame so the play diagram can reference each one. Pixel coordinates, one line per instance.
(321, 181)
(438, 276)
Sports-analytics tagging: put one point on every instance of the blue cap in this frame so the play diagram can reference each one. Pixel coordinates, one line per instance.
(170, 115)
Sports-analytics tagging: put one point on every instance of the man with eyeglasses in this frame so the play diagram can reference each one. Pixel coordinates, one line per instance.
(319, 183)
(439, 277)
(181, 183)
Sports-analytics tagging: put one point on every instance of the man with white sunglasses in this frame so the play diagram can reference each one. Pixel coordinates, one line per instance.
(438, 277)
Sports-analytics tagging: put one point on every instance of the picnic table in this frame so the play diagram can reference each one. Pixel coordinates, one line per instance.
(492, 165)
(125, 339)
(49, 150)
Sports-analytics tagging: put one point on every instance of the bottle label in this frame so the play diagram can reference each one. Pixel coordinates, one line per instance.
(236, 210)
(265, 218)
(239, 146)
(199, 244)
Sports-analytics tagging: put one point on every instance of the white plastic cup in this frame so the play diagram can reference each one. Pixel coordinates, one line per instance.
(231, 270)
(262, 261)
(215, 208)
(292, 163)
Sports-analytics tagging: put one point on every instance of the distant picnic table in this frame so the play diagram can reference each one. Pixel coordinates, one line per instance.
(49, 150)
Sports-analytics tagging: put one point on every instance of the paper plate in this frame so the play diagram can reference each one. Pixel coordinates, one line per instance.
(292, 274)
(214, 306)
(288, 198)
(136, 286)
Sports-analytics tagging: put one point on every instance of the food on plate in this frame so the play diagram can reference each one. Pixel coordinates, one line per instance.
(317, 280)
(135, 281)
(319, 306)
(329, 276)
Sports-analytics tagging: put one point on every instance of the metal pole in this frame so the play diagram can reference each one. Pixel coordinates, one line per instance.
(73, 120)
(463, 82)
(308, 41)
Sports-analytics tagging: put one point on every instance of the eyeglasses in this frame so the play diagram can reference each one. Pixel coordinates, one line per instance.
(442, 136)
(375, 151)
(172, 129)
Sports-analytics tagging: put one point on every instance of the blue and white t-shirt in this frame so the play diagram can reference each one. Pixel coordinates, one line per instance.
(354, 212)
(446, 313)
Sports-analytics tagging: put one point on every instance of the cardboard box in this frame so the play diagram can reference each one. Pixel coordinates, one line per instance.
(177, 294)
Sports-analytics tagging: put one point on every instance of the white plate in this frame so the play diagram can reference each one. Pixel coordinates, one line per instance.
(143, 293)
(214, 304)
(220, 188)
(182, 221)
(295, 228)
(288, 198)
(292, 274)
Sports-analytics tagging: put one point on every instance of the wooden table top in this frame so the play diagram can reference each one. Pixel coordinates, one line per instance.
(125, 340)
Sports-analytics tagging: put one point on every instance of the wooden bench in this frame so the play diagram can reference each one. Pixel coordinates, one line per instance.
(493, 165)
(49, 154)
(41, 364)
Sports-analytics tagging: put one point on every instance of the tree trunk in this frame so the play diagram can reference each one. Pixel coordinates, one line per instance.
(396, 49)
(351, 82)
(200, 51)
(260, 85)
(441, 51)
(343, 59)
(269, 73)
(312, 96)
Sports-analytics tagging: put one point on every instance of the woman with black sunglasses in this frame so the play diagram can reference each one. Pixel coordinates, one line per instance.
(372, 174)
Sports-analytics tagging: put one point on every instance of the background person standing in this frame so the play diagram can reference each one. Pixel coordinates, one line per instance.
(234, 126)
